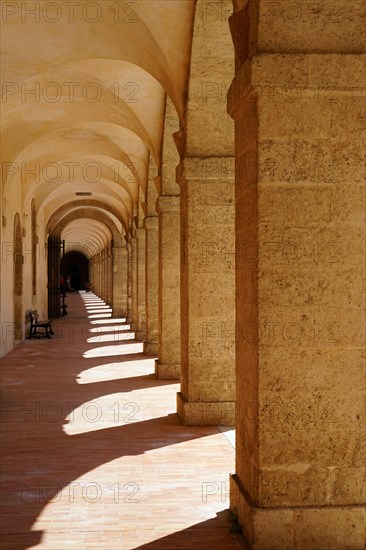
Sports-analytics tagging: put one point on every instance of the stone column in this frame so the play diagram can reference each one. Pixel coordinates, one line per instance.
(119, 305)
(129, 282)
(97, 286)
(91, 270)
(95, 274)
(208, 296)
(101, 276)
(105, 274)
(168, 365)
(141, 284)
(109, 275)
(152, 282)
(134, 280)
(300, 272)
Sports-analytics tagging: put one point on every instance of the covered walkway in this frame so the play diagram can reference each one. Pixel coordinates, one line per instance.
(94, 455)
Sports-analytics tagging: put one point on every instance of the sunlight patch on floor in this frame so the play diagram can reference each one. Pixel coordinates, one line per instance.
(100, 310)
(116, 337)
(108, 351)
(229, 433)
(120, 409)
(109, 321)
(117, 371)
(100, 316)
(110, 328)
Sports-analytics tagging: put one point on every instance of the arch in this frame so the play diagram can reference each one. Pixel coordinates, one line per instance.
(59, 213)
(91, 214)
(145, 43)
(209, 128)
(104, 190)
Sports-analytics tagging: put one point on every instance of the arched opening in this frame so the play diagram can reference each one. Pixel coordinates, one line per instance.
(18, 279)
(75, 269)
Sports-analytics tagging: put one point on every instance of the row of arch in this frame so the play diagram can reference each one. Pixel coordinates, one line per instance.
(83, 127)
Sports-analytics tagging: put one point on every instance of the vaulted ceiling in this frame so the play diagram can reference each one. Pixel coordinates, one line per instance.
(84, 94)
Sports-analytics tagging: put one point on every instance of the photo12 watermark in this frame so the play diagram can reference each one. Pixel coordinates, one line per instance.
(90, 492)
(73, 11)
(56, 412)
(69, 92)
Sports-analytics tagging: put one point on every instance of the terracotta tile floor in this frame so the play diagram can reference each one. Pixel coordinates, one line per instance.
(93, 454)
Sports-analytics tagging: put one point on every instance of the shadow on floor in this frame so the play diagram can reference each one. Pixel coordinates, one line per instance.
(40, 380)
(214, 531)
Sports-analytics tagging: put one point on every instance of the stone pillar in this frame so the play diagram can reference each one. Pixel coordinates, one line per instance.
(300, 272)
(134, 280)
(107, 282)
(91, 271)
(168, 364)
(208, 296)
(102, 273)
(152, 282)
(141, 284)
(119, 305)
(129, 282)
(109, 275)
(105, 274)
(97, 274)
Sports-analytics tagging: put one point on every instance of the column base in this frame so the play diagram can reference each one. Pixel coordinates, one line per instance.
(151, 348)
(201, 413)
(167, 371)
(300, 528)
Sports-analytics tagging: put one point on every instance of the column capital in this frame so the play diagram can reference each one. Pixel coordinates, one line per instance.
(168, 203)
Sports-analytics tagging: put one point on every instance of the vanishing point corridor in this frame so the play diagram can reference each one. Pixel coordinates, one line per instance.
(183, 198)
(94, 455)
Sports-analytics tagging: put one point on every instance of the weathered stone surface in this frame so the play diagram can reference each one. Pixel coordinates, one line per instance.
(169, 288)
(300, 280)
(208, 293)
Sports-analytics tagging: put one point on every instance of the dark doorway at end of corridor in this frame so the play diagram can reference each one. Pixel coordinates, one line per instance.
(75, 269)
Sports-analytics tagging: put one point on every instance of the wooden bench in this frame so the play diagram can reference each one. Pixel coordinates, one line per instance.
(37, 324)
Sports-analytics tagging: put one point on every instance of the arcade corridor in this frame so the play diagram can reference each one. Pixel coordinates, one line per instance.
(94, 455)
(199, 166)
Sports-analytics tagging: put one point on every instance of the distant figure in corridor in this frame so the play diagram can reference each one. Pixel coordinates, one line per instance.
(68, 282)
